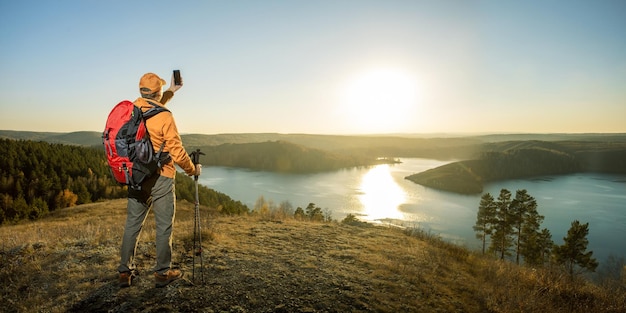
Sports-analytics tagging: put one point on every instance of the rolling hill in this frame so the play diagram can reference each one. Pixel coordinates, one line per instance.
(484, 157)
(523, 159)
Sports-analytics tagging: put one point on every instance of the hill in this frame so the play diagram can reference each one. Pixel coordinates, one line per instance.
(288, 152)
(522, 159)
(594, 137)
(271, 263)
(433, 146)
(281, 156)
(329, 142)
(82, 138)
(363, 146)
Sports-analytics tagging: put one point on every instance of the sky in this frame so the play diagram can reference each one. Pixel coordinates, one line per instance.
(320, 67)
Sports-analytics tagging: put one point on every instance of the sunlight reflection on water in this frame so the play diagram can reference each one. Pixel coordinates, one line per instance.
(380, 194)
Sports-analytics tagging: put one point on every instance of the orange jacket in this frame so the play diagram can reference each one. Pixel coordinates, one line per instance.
(163, 128)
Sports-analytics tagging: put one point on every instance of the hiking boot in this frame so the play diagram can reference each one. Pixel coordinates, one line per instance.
(162, 280)
(126, 278)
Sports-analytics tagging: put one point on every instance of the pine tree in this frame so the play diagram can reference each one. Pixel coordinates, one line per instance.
(314, 213)
(501, 240)
(537, 247)
(525, 221)
(299, 214)
(485, 218)
(572, 253)
(545, 244)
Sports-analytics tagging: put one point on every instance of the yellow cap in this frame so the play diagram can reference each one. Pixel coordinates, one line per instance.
(150, 83)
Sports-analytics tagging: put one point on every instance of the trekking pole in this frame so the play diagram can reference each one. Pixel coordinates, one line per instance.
(197, 231)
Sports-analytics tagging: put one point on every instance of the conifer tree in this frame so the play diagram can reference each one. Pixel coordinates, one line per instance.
(525, 221)
(299, 214)
(572, 254)
(314, 213)
(536, 248)
(545, 245)
(501, 240)
(485, 218)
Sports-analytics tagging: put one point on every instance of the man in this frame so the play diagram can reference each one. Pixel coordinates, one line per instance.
(157, 191)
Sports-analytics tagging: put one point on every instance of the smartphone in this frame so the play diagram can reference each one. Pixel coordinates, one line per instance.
(177, 80)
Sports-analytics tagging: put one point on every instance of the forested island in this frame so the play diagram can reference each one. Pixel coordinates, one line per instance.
(525, 159)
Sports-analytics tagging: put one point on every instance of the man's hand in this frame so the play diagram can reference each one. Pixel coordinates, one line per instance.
(198, 170)
(174, 87)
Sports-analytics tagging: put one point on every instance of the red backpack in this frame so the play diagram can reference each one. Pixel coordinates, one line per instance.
(128, 147)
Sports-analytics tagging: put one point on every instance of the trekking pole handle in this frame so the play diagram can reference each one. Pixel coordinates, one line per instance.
(195, 158)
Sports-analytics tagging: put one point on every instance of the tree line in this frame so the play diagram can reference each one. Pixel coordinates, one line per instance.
(39, 177)
(512, 228)
(281, 156)
(269, 210)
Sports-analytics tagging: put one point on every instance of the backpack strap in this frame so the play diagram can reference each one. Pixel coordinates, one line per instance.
(154, 110)
(161, 157)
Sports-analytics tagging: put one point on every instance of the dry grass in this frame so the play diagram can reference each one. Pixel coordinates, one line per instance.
(271, 263)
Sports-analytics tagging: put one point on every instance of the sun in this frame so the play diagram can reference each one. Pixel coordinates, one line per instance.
(380, 100)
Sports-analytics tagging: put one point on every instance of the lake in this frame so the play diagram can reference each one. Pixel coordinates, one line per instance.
(381, 194)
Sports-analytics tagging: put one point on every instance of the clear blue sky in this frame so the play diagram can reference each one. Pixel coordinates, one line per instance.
(324, 67)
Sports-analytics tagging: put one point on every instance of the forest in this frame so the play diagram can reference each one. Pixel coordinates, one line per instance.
(38, 177)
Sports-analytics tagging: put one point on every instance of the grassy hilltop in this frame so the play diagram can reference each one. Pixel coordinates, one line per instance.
(270, 262)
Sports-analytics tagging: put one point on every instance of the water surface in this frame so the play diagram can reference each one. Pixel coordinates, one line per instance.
(381, 193)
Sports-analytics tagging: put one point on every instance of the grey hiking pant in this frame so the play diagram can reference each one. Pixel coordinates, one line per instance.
(156, 192)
